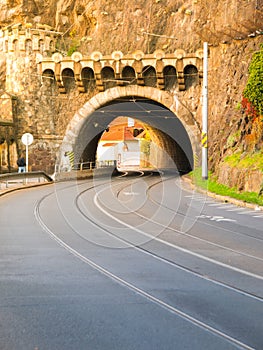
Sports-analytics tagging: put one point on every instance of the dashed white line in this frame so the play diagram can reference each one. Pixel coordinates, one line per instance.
(132, 287)
(246, 212)
(131, 193)
(236, 209)
(227, 206)
(211, 260)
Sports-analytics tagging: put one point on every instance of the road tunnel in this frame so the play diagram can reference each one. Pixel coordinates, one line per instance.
(173, 147)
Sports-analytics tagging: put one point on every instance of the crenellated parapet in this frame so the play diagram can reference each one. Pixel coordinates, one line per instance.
(164, 71)
(19, 38)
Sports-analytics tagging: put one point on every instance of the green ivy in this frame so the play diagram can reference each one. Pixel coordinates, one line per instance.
(254, 88)
(71, 50)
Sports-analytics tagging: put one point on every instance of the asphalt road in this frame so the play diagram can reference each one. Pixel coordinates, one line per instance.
(136, 262)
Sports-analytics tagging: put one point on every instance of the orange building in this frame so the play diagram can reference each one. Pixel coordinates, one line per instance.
(121, 142)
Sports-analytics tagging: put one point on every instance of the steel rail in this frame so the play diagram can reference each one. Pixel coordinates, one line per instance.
(131, 286)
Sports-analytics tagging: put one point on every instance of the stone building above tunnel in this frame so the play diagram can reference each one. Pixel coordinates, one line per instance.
(52, 90)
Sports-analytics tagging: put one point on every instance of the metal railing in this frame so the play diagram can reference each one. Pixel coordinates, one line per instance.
(82, 166)
(18, 178)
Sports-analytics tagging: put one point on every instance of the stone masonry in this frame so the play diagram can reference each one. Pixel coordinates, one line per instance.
(52, 95)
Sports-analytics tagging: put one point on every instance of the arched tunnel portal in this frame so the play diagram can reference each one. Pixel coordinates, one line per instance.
(173, 147)
(171, 125)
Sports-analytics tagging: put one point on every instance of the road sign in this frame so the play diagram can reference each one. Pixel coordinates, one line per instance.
(27, 139)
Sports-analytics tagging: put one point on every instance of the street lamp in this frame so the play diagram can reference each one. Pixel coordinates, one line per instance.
(205, 115)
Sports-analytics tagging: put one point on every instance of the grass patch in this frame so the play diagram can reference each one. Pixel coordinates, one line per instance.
(212, 186)
(253, 161)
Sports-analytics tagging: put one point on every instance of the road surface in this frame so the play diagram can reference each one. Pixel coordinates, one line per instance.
(129, 262)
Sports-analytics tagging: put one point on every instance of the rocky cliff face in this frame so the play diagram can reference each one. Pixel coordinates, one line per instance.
(145, 24)
(233, 29)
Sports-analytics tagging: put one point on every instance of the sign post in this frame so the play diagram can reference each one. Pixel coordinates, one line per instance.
(27, 140)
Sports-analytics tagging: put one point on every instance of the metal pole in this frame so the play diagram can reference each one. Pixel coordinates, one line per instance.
(205, 115)
(26, 158)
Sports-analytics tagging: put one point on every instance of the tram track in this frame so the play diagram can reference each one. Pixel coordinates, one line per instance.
(168, 227)
(204, 223)
(131, 286)
(182, 214)
(164, 227)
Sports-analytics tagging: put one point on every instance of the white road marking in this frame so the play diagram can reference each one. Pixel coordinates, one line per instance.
(198, 198)
(148, 296)
(246, 212)
(216, 205)
(227, 206)
(237, 209)
(211, 260)
(131, 193)
(215, 218)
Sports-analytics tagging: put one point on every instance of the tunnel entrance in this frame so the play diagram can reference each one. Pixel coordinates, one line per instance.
(169, 141)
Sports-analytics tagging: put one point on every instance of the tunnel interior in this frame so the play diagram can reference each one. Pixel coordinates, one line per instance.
(166, 130)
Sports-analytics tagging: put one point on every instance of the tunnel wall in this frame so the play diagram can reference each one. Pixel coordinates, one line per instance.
(76, 137)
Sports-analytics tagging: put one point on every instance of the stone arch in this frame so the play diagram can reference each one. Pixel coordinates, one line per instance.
(191, 76)
(41, 46)
(149, 76)
(128, 74)
(68, 79)
(108, 77)
(28, 46)
(170, 77)
(88, 79)
(16, 46)
(48, 79)
(164, 98)
(52, 46)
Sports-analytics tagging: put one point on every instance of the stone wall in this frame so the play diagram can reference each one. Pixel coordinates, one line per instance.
(233, 29)
(50, 88)
(243, 179)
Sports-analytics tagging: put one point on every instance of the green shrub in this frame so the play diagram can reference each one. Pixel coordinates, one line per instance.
(253, 92)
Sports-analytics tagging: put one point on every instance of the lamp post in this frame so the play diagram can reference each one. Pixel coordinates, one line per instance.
(205, 115)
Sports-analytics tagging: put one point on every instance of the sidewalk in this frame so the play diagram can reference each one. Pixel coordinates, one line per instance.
(17, 185)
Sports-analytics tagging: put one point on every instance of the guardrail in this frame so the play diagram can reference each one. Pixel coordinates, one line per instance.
(9, 178)
(81, 166)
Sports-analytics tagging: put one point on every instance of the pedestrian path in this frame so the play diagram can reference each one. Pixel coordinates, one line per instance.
(16, 181)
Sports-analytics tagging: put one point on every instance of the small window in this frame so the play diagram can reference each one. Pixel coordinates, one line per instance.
(170, 78)
(68, 79)
(129, 76)
(88, 79)
(191, 77)
(108, 77)
(149, 76)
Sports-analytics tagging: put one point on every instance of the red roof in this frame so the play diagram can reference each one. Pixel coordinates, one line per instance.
(120, 131)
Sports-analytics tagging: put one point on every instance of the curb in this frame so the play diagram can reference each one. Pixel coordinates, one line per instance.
(219, 197)
(23, 187)
(222, 198)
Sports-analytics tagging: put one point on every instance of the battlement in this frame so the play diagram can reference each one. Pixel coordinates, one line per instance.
(27, 38)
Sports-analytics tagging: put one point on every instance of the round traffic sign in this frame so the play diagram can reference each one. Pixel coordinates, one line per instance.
(27, 138)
